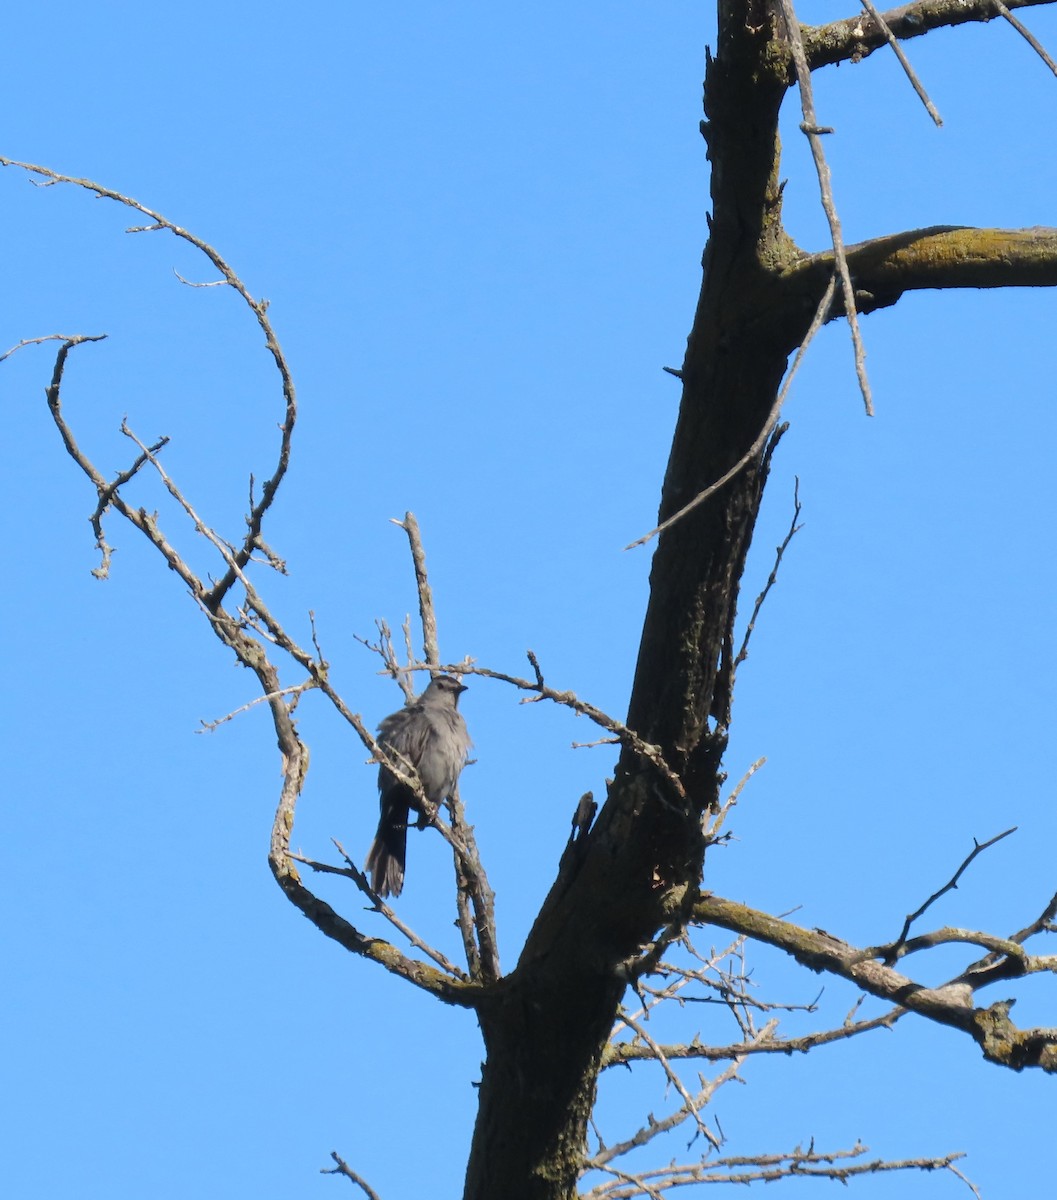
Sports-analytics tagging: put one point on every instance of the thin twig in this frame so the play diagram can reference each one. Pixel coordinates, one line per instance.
(73, 339)
(235, 560)
(713, 827)
(892, 952)
(1042, 923)
(810, 127)
(904, 62)
(649, 999)
(295, 690)
(689, 1102)
(386, 651)
(1026, 34)
(472, 944)
(628, 737)
(655, 1128)
(343, 1168)
(763, 1168)
(140, 518)
(471, 879)
(351, 871)
(193, 284)
(621, 1053)
(772, 579)
(430, 645)
(819, 319)
(364, 885)
(106, 495)
(672, 990)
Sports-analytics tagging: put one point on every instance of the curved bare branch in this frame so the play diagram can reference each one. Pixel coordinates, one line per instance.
(259, 308)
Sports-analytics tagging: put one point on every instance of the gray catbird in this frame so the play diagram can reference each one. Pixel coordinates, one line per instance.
(427, 737)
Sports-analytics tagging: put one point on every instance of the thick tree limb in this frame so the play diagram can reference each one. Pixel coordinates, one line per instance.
(939, 256)
(855, 38)
(999, 1039)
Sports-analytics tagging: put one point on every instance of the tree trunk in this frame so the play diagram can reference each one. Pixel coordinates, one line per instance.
(641, 865)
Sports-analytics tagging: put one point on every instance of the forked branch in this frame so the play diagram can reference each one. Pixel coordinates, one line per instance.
(952, 1004)
(236, 631)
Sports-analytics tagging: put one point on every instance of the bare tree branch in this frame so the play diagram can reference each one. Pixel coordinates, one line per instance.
(995, 966)
(715, 822)
(813, 131)
(351, 871)
(231, 631)
(1019, 961)
(822, 315)
(475, 900)
(343, 1168)
(296, 689)
(259, 308)
(772, 579)
(855, 38)
(140, 518)
(73, 339)
(425, 593)
(622, 1053)
(904, 62)
(691, 1105)
(762, 1168)
(1026, 34)
(892, 953)
(567, 699)
(999, 1039)
(940, 256)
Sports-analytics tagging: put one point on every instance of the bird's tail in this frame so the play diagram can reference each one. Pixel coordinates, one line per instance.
(387, 856)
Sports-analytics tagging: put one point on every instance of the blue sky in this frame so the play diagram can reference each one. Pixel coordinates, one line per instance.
(480, 233)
